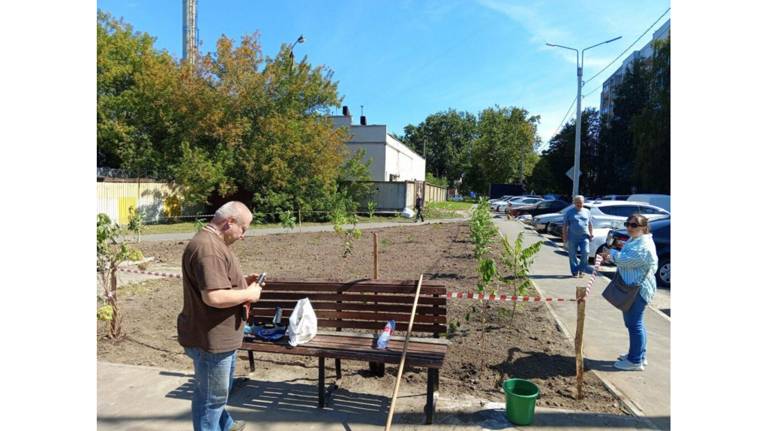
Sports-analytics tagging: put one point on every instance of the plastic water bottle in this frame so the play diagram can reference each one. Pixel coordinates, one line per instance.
(278, 316)
(383, 340)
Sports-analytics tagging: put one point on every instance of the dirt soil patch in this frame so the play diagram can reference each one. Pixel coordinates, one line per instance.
(526, 344)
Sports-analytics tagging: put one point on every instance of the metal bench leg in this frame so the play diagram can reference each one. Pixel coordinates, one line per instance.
(250, 361)
(429, 409)
(338, 371)
(321, 384)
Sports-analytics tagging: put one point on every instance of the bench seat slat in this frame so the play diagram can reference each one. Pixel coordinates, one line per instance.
(361, 298)
(360, 316)
(331, 347)
(410, 289)
(287, 307)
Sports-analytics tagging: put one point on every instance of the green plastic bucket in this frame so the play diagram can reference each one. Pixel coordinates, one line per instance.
(521, 400)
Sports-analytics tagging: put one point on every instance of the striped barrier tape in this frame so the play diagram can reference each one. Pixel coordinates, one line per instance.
(502, 298)
(449, 295)
(159, 274)
(598, 261)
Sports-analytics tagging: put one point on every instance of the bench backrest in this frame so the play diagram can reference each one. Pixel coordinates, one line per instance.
(360, 304)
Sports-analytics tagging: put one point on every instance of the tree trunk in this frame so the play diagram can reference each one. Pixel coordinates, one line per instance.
(115, 327)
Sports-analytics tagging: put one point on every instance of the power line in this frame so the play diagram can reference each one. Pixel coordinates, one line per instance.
(629, 47)
(564, 117)
(597, 88)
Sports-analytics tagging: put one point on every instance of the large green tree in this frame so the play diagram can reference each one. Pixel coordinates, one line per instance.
(504, 151)
(446, 137)
(236, 124)
(616, 152)
(650, 128)
(548, 176)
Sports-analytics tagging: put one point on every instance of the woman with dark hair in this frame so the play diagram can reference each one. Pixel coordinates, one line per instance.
(636, 264)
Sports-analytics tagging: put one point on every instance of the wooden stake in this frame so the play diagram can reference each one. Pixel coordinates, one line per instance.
(402, 357)
(581, 306)
(375, 256)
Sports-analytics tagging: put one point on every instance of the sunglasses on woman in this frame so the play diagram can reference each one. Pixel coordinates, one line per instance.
(633, 225)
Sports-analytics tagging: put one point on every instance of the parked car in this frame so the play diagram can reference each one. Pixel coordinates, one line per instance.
(505, 197)
(555, 227)
(662, 201)
(614, 198)
(660, 229)
(495, 205)
(607, 215)
(515, 203)
(555, 197)
(542, 207)
(541, 222)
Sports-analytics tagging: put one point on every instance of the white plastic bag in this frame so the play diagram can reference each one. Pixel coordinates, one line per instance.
(302, 325)
(407, 212)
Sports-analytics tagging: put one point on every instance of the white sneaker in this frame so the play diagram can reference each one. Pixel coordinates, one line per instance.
(628, 366)
(624, 358)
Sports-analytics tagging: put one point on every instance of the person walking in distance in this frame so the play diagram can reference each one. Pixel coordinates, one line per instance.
(577, 232)
(419, 208)
(210, 325)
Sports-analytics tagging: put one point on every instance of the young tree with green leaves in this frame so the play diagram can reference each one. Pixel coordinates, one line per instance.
(110, 253)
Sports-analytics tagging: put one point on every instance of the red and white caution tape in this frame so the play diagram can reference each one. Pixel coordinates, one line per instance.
(509, 298)
(449, 295)
(598, 261)
(159, 274)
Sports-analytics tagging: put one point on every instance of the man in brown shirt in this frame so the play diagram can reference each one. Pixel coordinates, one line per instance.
(210, 326)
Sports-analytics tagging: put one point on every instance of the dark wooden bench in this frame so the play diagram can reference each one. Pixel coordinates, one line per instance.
(348, 315)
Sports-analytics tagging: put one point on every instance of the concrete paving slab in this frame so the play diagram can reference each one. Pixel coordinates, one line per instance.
(605, 336)
(132, 398)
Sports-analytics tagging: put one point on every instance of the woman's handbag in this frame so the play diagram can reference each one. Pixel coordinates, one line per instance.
(620, 294)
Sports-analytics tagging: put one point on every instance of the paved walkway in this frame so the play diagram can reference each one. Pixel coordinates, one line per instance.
(605, 337)
(182, 236)
(132, 398)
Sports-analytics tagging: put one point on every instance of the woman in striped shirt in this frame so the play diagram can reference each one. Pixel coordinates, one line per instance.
(636, 263)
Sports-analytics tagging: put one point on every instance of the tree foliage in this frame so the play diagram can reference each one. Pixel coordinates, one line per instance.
(548, 175)
(446, 137)
(650, 128)
(504, 151)
(236, 122)
(110, 253)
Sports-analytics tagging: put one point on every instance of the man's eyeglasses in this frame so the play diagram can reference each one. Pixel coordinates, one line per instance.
(633, 225)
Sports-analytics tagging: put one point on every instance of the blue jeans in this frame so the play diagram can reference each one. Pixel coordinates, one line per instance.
(580, 246)
(633, 320)
(214, 377)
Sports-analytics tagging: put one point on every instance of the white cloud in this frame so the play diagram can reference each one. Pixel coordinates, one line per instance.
(529, 18)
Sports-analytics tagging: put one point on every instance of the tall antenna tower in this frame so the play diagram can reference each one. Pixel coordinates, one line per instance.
(189, 31)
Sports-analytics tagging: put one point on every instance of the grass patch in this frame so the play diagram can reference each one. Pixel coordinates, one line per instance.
(451, 205)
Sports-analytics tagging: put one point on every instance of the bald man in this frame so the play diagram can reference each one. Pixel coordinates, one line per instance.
(577, 232)
(210, 326)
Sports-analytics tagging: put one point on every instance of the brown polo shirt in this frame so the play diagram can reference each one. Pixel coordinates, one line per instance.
(208, 264)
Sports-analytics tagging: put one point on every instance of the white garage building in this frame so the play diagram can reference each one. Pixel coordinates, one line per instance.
(391, 159)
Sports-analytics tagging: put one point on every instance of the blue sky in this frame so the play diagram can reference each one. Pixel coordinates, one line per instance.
(406, 59)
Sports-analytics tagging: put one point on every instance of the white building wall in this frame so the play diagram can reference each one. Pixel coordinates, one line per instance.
(390, 157)
(374, 152)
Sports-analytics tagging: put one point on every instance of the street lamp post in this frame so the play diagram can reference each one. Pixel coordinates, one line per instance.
(579, 84)
(299, 40)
